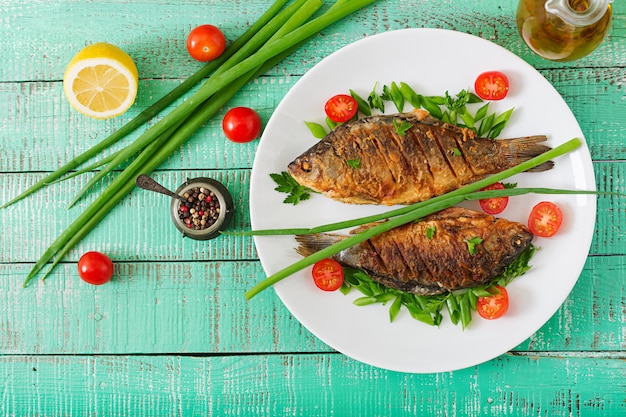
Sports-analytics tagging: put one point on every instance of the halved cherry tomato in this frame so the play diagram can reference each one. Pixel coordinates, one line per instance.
(241, 124)
(545, 219)
(205, 43)
(95, 268)
(494, 306)
(494, 205)
(341, 108)
(491, 85)
(328, 274)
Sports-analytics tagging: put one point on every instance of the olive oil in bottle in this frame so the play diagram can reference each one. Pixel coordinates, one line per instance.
(563, 30)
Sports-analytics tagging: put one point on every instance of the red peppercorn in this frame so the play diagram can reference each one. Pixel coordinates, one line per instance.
(200, 212)
(184, 208)
(208, 199)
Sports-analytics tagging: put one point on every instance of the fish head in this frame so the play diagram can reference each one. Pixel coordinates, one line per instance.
(316, 169)
(507, 240)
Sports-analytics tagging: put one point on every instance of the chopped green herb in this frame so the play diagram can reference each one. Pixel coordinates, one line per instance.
(456, 152)
(471, 244)
(286, 184)
(430, 232)
(354, 163)
(375, 101)
(427, 308)
(317, 130)
(402, 127)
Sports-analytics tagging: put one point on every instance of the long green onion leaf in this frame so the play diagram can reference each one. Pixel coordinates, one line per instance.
(411, 213)
(470, 188)
(285, 22)
(155, 108)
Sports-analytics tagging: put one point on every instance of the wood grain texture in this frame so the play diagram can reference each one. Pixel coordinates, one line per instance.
(172, 334)
(198, 307)
(307, 385)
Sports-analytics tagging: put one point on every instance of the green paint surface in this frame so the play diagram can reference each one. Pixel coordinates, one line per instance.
(172, 333)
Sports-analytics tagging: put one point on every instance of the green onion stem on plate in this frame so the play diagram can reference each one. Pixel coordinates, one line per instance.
(407, 214)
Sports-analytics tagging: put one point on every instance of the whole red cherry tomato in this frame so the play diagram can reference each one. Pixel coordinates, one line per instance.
(241, 124)
(205, 43)
(95, 268)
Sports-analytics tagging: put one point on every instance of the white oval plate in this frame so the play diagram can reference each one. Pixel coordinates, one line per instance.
(432, 61)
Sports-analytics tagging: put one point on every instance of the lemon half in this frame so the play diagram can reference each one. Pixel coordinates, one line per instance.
(101, 81)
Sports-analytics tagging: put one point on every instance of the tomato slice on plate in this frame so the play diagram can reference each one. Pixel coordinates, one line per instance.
(494, 205)
(341, 108)
(493, 306)
(328, 274)
(545, 219)
(491, 85)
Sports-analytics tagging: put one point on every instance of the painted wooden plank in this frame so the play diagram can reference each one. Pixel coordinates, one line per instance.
(198, 307)
(154, 32)
(311, 385)
(42, 133)
(151, 235)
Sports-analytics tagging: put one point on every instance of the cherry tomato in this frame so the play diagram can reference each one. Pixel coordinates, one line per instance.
(494, 306)
(328, 274)
(494, 205)
(205, 43)
(491, 85)
(241, 124)
(95, 268)
(341, 108)
(545, 219)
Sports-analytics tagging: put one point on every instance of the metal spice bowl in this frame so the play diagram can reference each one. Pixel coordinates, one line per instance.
(216, 222)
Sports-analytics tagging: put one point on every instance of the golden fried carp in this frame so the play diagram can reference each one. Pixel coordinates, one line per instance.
(370, 160)
(449, 250)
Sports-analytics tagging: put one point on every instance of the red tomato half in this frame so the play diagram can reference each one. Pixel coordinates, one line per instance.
(494, 205)
(328, 274)
(491, 85)
(545, 219)
(341, 108)
(205, 43)
(241, 124)
(494, 306)
(95, 268)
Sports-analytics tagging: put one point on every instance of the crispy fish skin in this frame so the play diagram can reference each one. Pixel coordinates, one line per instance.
(430, 159)
(408, 259)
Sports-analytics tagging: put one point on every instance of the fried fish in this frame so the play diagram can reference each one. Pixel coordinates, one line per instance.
(372, 161)
(432, 256)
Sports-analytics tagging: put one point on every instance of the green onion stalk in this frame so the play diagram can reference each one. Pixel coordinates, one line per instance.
(404, 215)
(287, 20)
(155, 108)
(164, 141)
(268, 51)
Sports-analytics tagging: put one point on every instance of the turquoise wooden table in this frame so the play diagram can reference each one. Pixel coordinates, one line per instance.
(172, 333)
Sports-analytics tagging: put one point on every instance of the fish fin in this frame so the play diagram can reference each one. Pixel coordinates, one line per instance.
(522, 149)
(311, 243)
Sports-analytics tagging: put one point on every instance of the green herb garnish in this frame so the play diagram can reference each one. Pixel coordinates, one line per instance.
(286, 184)
(430, 232)
(427, 308)
(354, 163)
(402, 127)
(376, 101)
(317, 130)
(471, 244)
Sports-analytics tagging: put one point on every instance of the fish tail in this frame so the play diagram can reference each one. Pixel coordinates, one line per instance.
(522, 149)
(311, 243)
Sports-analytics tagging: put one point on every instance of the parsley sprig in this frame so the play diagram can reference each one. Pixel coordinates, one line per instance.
(286, 184)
